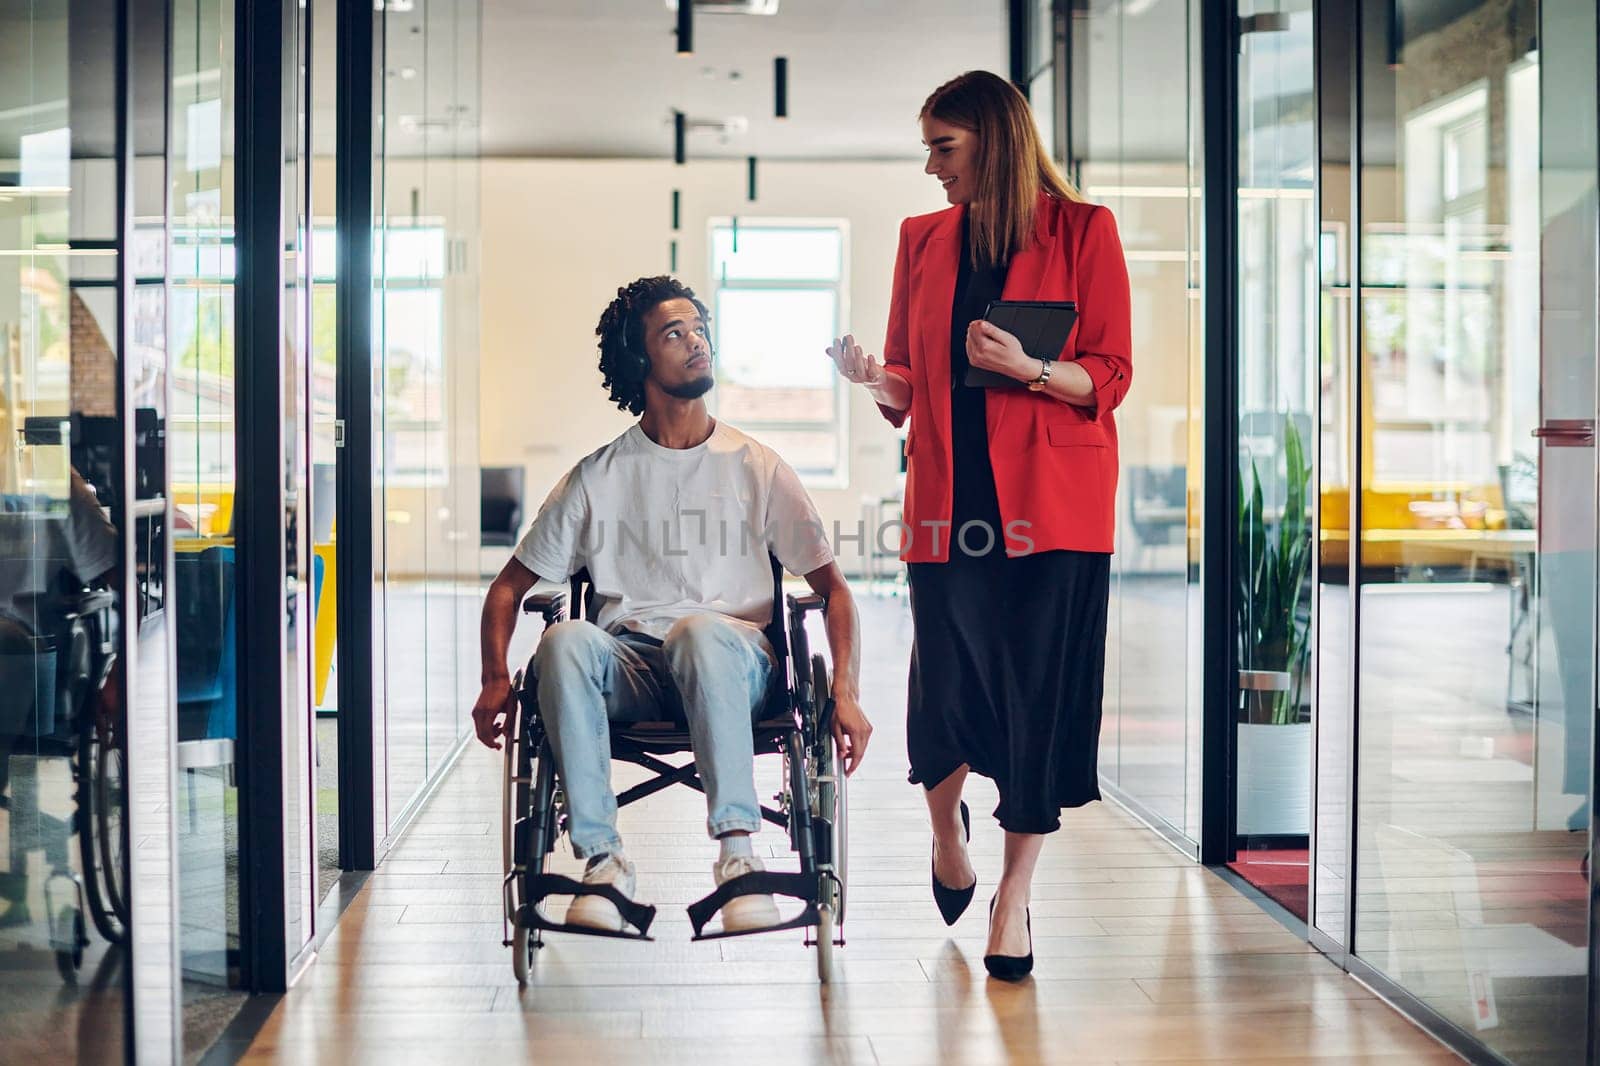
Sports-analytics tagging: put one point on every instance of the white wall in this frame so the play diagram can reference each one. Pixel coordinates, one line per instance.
(559, 238)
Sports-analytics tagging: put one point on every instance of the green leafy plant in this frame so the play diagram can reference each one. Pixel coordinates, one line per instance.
(1272, 560)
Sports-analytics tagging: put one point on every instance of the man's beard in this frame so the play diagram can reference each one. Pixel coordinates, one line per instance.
(690, 390)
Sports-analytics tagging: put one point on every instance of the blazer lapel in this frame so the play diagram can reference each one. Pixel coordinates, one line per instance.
(940, 260)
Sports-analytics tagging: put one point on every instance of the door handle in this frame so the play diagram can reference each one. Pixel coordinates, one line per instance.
(1567, 433)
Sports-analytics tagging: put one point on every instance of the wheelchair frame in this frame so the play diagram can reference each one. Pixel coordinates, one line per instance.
(796, 723)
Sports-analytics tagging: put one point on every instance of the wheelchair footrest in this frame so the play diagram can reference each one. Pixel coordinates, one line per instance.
(540, 886)
(797, 885)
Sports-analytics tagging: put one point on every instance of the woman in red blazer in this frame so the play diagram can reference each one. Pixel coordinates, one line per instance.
(1009, 490)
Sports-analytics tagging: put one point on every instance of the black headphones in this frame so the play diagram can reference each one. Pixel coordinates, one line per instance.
(635, 363)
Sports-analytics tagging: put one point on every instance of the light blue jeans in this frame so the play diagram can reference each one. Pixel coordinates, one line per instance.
(715, 671)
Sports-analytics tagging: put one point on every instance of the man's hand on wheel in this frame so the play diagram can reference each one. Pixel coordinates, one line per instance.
(489, 713)
(850, 730)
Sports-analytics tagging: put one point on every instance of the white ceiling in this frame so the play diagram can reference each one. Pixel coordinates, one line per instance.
(599, 78)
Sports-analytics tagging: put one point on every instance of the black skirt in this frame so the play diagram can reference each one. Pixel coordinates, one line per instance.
(1007, 675)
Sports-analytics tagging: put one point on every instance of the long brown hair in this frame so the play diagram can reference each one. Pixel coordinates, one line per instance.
(1012, 164)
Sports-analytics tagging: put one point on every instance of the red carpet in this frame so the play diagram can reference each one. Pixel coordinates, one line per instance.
(1551, 893)
(1282, 876)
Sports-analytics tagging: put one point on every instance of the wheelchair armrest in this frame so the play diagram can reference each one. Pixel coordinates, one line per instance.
(91, 601)
(552, 605)
(809, 602)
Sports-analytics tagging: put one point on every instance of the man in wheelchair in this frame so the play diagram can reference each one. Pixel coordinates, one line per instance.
(676, 523)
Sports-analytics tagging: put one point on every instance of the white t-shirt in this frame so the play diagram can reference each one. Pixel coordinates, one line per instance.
(670, 532)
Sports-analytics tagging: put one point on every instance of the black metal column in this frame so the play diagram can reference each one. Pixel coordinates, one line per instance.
(355, 474)
(260, 84)
(1219, 37)
(1018, 24)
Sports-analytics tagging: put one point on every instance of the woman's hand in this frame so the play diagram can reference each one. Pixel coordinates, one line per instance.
(853, 365)
(890, 390)
(991, 348)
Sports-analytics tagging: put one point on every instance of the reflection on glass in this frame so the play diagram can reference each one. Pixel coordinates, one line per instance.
(1134, 60)
(1331, 626)
(1277, 324)
(204, 480)
(426, 330)
(64, 861)
(1477, 596)
(299, 837)
(322, 378)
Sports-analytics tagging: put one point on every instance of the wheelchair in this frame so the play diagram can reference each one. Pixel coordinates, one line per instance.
(795, 724)
(69, 722)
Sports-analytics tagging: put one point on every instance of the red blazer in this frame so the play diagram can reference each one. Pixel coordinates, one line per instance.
(1055, 463)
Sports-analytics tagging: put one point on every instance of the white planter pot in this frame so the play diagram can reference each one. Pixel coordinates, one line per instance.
(1274, 780)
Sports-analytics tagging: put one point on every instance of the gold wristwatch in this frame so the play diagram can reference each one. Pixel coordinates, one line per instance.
(1038, 383)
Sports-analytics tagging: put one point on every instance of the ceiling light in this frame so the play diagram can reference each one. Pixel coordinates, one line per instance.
(731, 7)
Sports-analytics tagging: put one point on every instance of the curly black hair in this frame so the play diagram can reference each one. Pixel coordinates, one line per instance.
(623, 362)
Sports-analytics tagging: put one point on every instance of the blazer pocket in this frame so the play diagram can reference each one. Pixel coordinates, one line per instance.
(1078, 435)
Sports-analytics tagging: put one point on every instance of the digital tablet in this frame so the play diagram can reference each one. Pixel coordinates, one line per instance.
(1042, 327)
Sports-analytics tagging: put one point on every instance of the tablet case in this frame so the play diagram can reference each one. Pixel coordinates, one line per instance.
(1041, 326)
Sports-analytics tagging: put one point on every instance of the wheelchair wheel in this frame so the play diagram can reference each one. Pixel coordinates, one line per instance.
(69, 955)
(514, 808)
(101, 827)
(530, 787)
(830, 812)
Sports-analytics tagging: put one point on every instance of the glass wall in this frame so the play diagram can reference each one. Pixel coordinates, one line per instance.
(1466, 461)
(204, 481)
(322, 402)
(1133, 145)
(63, 906)
(86, 743)
(1334, 618)
(1277, 341)
(426, 328)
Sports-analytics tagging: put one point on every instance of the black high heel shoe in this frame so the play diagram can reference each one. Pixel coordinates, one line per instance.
(1010, 967)
(953, 902)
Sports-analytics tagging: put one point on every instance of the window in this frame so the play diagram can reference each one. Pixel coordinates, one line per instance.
(779, 302)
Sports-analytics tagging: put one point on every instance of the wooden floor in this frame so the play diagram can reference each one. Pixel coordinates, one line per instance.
(1142, 956)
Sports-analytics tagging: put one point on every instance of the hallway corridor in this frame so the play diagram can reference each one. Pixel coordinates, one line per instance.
(1143, 957)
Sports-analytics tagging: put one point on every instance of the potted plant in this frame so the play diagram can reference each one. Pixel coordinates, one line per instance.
(1272, 561)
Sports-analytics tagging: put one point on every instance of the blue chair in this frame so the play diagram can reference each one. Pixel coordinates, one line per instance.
(206, 645)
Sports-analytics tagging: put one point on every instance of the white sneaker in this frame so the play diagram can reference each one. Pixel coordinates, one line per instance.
(744, 912)
(597, 912)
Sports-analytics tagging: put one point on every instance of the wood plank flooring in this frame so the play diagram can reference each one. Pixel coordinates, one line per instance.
(1143, 957)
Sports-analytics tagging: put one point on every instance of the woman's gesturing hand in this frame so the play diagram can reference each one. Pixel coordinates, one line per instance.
(853, 364)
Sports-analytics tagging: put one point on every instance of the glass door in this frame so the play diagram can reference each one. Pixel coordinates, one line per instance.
(1475, 568)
